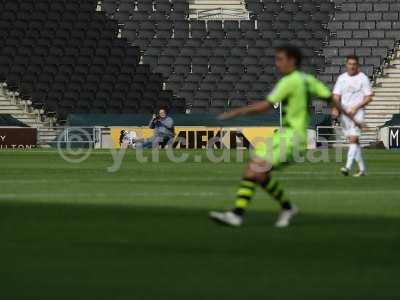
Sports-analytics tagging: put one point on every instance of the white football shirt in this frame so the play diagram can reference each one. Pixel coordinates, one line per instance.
(352, 89)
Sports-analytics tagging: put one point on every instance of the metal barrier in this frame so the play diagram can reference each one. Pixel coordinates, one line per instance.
(83, 137)
(332, 135)
(222, 13)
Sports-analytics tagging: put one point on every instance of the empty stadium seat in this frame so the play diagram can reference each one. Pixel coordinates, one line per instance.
(223, 48)
(66, 56)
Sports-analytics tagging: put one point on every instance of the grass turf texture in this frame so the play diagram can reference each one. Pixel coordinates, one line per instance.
(79, 232)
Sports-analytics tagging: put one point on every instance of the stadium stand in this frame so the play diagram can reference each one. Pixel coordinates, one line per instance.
(66, 57)
(216, 64)
(368, 29)
(129, 56)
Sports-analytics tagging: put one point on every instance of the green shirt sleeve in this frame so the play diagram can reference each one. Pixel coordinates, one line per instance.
(280, 92)
(319, 89)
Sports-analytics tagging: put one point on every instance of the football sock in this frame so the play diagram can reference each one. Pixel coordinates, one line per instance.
(351, 155)
(360, 159)
(272, 187)
(244, 195)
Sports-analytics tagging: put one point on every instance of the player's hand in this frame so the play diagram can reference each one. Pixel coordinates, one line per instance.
(335, 113)
(362, 126)
(352, 111)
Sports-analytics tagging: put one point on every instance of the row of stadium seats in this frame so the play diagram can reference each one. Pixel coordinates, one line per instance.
(264, 8)
(222, 62)
(368, 28)
(72, 61)
(261, 6)
(180, 6)
(59, 52)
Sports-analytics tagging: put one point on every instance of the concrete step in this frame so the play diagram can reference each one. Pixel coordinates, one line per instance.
(382, 111)
(390, 75)
(392, 70)
(387, 84)
(18, 113)
(375, 124)
(4, 100)
(9, 107)
(385, 102)
(378, 114)
(385, 90)
(370, 132)
(388, 79)
(377, 105)
(376, 120)
(23, 115)
(379, 94)
(373, 121)
(395, 62)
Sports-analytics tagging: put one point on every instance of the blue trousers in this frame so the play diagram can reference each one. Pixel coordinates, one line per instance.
(154, 141)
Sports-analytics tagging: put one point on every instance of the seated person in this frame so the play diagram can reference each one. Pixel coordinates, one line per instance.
(127, 139)
(163, 126)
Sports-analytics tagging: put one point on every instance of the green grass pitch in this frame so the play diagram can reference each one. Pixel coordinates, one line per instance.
(77, 231)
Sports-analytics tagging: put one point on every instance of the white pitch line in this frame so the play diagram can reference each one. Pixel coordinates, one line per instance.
(9, 196)
(124, 180)
(111, 195)
(283, 177)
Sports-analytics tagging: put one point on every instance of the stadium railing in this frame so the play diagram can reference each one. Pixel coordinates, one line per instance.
(330, 135)
(222, 13)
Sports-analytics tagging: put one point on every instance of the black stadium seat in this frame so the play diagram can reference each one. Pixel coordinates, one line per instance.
(66, 56)
(71, 43)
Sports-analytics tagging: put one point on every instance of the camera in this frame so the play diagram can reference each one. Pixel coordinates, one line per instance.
(156, 117)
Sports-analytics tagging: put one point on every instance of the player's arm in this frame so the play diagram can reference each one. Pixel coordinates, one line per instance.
(338, 105)
(280, 92)
(365, 102)
(368, 96)
(256, 108)
(335, 111)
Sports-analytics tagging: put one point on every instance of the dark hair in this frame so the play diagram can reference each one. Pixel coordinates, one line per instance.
(352, 57)
(164, 108)
(291, 52)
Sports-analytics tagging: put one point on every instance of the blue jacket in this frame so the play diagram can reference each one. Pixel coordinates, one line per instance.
(163, 127)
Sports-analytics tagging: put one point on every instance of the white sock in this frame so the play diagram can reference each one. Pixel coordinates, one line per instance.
(360, 159)
(351, 155)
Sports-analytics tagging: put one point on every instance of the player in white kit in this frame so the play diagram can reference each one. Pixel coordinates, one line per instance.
(354, 90)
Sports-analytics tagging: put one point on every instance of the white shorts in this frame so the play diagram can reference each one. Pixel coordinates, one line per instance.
(349, 128)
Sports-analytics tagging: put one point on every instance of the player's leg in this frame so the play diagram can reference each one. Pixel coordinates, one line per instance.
(283, 148)
(258, 172)
(348, 128)
(253, 176)
(275, 190)
(148, 143)
(359, 156)
(351, 155)
(354, 153)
